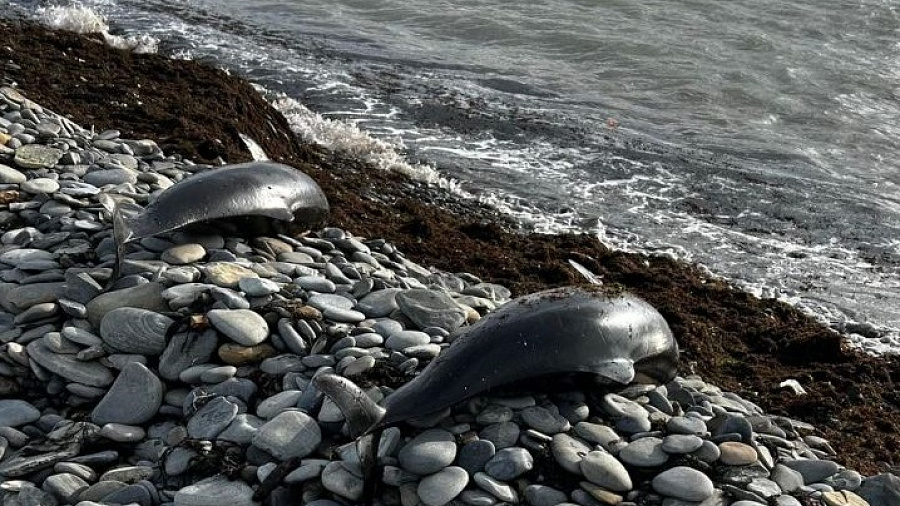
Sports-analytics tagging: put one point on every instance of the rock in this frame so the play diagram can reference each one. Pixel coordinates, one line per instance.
(686, 425)
(144, 296)
(431, 308)
(683, 483)
(544, 420)
(133, 399)
(644, 452)
(186, 349)
(288, 435)
(20, 298)
(843, 498)
(14, 412)
(813, 471)
(258, 287)
(406, 338)
(227, 275)
(630, 416)
(475, 454)
(64, 486)
(569, 452)
(429, 452)
(881, 490)
(242, 429)
(100, 178)
(237, 355)
(9, 175)
(542, 495)
(676, 444)
(597, 433)
(737, 454)
(243, 326)
(336, 478)
(37, 156)
(215, 491)
(379, 303)
(183, 254)
(496, 488)
(211, 419)
(604, 470)
(442, 487)
(135, 330)
(508, 463)
(67, 366)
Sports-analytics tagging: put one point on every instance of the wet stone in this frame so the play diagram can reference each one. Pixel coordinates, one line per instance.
(644, 452)
(122, 433)
(431, 308)
(336, 478)
(14, 413)
(135, 330)
(604, 470)
(429, 452)
(683, 483)
(474, 455)
(681, 443)
(243, 326)
(569, 452)
(442, 487)
(544, 420)
(502, 435)
(183, 254)
(290, 434)
(509, 463)
(215, 491)
(64, 485)
(133, 399)
(212, 418)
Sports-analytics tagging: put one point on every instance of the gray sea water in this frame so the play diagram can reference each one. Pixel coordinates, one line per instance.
(757, 138)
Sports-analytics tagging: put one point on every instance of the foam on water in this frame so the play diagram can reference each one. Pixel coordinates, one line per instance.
(83, 19)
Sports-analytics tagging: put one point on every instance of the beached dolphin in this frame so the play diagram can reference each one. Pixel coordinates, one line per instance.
(268, 189)
(609, 334)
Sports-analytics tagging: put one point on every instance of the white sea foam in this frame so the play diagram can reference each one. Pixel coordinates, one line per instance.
(82, 19)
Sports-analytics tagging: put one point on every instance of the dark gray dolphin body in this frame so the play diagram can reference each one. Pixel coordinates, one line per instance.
(267, 189)
(615, 336)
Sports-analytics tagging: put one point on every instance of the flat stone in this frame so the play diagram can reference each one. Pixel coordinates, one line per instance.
(243, 326)
(271, 406)
(133, 399)
(242, 429)
(813, 471)
(67, 366)
(122, 433)
(64, 485)
(498, 489)
(17, 465)
(20, 298)
(542, 495)
(737, 454)
(40, 185)
(215, 491)
(443, 486)
(544, 420)
(406, 338)
(569, 452)
(683, 483)
(597, 433)
(144, 296)
(475, 454)
(237, 355)
(288, 435)
(686, 425)
(509, 463)
(218, 374)
(15, 412)
(676, 444)
(127, 474)
(183, 254)
(379, 303)
(431, 308)
(100, 178)
(135, 330)
(337, 479)
(429, 452)
(37, 156)
(843, 498)
(258, 287)
(130, 494)
(211, 419)
(186, 349)
(644, 452)
(340, 315)
(9, 175)
(604, 470)
(630, 416)
(226, 274)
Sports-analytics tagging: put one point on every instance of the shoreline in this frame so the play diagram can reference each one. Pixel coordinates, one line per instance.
(732, 339)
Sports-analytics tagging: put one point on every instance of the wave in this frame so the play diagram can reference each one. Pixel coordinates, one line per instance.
(82, 19)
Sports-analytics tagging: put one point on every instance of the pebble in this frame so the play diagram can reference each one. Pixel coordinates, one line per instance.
(183, 254)
(681, 443)
(683, 483)
(40, 185)
(258, 287)
(737, 454)
(336, 478)
(542, 495)
(133, 398)
(431, 308)
(215, 491)
(70, 368)
(212, 418)
(569, 452)
(509, 463)
(498, 489)
(813, 470)
(406, 338)
(288, 435)
(475, 454)
(226, 275)
(644, 452)
(604, 470)
(443, 486)
(630, 416)
(9, 175)
(15, 412)
(429, 452)
(243, 326)
(544, 420)
(135, 330)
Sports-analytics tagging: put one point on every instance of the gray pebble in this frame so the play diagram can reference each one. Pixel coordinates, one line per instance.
(604, 470)
(14, 412)
(290, 434)
(683, 483)
(133, 399)
(429, 452)
(443, 486)
(544, 420)
(644, 452)
(509, 463)
(242, 326)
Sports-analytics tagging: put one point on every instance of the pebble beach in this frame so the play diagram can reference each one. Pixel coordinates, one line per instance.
(187, 381)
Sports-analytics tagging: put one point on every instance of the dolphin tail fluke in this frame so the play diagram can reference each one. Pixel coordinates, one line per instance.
(360, 411)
